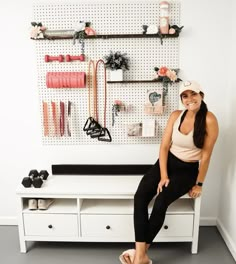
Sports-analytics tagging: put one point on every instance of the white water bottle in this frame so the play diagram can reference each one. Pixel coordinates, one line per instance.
(164, 17)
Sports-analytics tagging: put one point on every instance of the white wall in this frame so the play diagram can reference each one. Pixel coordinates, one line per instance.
(204, 56)
(227, 208)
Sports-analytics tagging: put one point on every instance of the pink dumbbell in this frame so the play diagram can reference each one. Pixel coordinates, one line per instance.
(59, 58)
(71, 58)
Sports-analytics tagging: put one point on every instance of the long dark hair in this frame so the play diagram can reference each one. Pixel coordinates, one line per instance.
(200, 126)
(199, 131)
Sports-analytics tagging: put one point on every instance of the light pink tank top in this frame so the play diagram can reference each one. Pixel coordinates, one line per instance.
(182, 145)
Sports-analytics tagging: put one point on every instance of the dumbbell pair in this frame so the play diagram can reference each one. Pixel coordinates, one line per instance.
(35, 178)
(60, 58)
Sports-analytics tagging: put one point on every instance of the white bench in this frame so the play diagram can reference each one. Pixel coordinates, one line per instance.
(98, 209)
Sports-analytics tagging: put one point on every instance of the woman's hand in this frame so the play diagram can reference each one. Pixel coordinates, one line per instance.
(195, 191)
(163, 182)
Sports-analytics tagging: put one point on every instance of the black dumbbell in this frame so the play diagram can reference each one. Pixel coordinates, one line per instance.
(38, 181)
(27, 181)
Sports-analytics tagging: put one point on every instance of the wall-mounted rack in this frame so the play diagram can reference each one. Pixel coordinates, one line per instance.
(136, 81)
(116, 31)
(109, 36)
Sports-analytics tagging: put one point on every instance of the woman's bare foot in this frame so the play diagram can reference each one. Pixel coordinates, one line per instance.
(127, 258)
(141, 259)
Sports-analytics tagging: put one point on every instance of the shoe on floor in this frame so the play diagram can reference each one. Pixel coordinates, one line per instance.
(43, 204)
(32, 204)
(130, 253)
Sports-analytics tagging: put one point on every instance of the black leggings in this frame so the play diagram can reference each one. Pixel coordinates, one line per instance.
(182, 177)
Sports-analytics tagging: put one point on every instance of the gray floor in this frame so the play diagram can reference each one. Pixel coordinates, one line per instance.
(212, 249)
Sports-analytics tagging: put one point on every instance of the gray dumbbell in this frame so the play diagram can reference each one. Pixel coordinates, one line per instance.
(38, 181)
(27, 181)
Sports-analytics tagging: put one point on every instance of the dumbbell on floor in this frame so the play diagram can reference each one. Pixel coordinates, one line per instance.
(27, 181)
(38, 181)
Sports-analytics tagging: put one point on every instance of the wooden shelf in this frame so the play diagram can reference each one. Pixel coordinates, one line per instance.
(51, 37)
(133, 36)
(136, 81)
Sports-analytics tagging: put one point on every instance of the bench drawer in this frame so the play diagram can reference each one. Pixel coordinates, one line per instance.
(117, 226)
(177, 226)
(122, 226)
(64, 225)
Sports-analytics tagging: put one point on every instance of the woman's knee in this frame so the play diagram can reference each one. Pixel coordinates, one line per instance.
(139, 195)
(142, 198)
(160, 203)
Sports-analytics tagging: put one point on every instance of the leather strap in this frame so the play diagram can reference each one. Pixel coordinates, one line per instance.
(45, 119)
(54, 118)
(69, 119)
(62, 119)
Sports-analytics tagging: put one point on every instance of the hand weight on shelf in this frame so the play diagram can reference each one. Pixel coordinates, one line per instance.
(38, 181)
(59, 58)
(27, 181)
(71, 58)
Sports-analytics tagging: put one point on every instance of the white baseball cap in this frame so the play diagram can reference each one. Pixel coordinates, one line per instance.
(190, 85)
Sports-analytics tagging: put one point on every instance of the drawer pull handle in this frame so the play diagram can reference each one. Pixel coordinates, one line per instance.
(166, 227)
(108, 227)
(50, 226)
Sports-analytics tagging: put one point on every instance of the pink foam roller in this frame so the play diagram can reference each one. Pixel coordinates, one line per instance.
(66, 79)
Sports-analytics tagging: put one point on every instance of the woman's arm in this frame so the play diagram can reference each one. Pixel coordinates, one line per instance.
(212, 132)
(164, 149)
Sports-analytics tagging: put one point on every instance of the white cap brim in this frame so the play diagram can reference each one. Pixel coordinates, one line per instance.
(190, 85)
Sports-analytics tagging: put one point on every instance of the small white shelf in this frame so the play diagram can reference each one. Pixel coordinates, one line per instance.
(181, 206)
(57, 207)
(103, 206)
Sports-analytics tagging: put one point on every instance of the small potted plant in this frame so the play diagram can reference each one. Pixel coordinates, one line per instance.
(166, 76)
(81, 29)
(117, 63)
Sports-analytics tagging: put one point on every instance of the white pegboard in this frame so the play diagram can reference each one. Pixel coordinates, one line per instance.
(144, 54)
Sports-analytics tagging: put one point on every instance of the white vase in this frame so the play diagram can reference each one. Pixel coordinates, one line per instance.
(116, 75)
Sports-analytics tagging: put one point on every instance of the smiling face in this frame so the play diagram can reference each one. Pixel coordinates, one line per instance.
(191, 100)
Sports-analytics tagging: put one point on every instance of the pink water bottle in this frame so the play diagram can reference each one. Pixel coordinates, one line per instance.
(164, 17)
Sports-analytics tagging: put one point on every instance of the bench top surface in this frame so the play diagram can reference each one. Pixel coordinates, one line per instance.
(124, 185)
